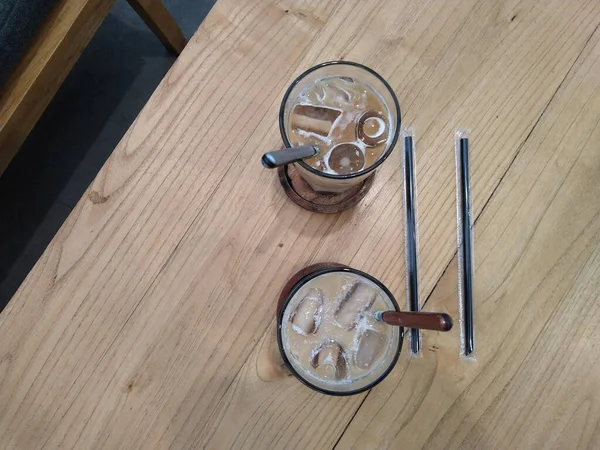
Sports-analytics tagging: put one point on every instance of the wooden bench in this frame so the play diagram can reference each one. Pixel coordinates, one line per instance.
(52, 53)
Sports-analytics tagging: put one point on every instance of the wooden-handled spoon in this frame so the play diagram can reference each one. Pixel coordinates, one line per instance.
(421, 320)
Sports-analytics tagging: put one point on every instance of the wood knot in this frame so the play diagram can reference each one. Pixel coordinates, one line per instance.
(137, 382)
(96, 198)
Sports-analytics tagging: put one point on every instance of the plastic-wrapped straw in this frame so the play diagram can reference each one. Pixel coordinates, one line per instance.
(411, 235)
(465, 249)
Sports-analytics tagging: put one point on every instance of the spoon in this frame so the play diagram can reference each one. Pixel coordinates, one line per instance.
(285, 156)
(424, 321)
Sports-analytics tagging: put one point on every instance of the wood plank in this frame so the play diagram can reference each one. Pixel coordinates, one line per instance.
(161, 22)
(141, 325)
(536, 381)
(51, 55)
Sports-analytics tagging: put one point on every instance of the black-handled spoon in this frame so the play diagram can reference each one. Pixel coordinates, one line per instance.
(285, 156)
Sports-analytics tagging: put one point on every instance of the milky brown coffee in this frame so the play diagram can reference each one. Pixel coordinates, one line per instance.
(346, 119)
(330, 336)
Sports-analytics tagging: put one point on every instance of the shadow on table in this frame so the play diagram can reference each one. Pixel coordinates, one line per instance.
(76, 134)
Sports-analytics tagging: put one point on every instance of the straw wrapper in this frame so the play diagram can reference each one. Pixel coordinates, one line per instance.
(411, 236)
(465, 248)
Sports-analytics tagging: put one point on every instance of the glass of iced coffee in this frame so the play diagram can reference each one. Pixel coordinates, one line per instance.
(328, 335)
(350, 113)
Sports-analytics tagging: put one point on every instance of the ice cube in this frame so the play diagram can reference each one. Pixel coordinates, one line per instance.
(346, 158)
(371, 345)
(329, 360)
(353, 302)
(372, 128)
(307, 316)
(314, 119)
(338, 95)
(346, 95)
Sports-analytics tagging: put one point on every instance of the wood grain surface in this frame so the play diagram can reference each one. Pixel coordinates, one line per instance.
(149, 322)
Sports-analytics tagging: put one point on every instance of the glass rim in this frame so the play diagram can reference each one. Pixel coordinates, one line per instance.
(281, 313)
(381, 159)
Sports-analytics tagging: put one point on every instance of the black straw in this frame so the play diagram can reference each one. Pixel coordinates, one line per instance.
(411, 238)
(467, 269)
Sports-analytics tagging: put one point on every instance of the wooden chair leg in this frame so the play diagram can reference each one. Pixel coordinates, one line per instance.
(161, 22)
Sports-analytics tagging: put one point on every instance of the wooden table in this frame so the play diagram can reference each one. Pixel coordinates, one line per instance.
(149, 320)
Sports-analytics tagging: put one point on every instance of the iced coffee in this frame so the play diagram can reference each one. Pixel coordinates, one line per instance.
(330, 337)
(346, 119)
(349, 113)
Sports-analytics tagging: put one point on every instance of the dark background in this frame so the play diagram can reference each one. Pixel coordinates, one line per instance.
(78, 131)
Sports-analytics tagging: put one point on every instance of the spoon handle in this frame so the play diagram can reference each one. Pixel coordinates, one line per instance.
(285, 156)
(424, 321)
